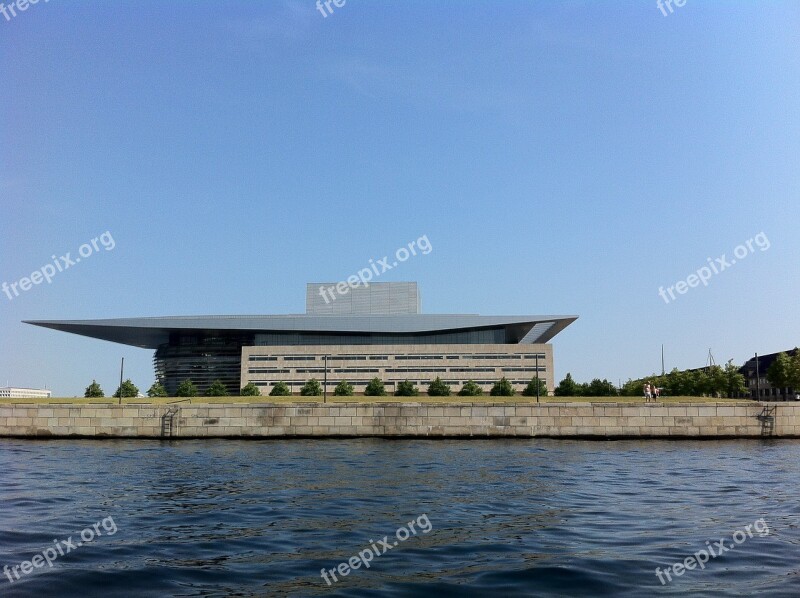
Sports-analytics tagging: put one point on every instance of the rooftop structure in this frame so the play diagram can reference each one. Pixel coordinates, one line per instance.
(392, 298)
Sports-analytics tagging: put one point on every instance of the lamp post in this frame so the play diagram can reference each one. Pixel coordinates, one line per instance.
(121, 368)
(325, 383)
(758, 387)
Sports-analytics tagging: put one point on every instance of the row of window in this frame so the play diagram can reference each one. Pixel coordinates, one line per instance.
(266, 371)
(389, 383)
(386, 357)
(387, 370)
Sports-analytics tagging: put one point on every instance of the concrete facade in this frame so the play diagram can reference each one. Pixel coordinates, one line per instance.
(12, 392)
(478, 420)
(358, 364)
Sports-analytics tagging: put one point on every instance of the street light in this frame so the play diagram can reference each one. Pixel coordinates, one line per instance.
(325, 383)
(121, 368)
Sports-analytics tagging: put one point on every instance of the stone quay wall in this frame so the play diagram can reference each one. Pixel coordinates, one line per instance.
(425, 420)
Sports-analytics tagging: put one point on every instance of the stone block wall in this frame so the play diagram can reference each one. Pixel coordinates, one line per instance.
(479, 419)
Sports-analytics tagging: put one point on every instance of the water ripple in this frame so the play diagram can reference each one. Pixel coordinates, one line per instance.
(510, 517)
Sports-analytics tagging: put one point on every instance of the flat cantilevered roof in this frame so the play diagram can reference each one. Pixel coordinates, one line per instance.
(152, 332)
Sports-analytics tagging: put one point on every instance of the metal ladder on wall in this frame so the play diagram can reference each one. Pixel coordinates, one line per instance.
(767, 419)
(168, 422)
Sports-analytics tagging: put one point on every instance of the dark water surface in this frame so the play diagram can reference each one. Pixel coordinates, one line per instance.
(509, 517)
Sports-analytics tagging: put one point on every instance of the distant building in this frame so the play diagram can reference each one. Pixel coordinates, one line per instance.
(354, 334)
(11, 392)
(759, 386)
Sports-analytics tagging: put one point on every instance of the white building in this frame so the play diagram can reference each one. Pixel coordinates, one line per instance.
(24, 393)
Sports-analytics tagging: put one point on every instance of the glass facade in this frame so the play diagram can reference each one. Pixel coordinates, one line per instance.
(201, 359)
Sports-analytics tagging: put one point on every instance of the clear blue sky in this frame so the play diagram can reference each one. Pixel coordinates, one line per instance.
(562, 158)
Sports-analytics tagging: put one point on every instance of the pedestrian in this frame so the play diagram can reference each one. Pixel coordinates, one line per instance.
(647, 392)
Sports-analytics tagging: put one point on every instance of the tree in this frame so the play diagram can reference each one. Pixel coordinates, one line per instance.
(157, 390)
(779, 373)
(530, 390)
(280, 390)
(734, 380)
(678, 384)
(406, 389)
(502, 388)
(437, 388)
(633, 388)
(470, 389)
(343, 389)
(186, 389)
(250, 390)
(312, 388)
(126, 390)
(600, 388)
(217, 389)
(717, 382)
(794, 371)
(93, 391)
(375, 388)
(567, 387)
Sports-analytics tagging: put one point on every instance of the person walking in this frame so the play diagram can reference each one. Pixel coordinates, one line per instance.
(647, 392)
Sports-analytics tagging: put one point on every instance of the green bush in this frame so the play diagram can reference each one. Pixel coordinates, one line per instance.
(93, 391)
(502, 388)
(280, 390)
(568, 387)
(600, 388)
(312, 388)
(406, 389)
(530, 390)
(470, 389)
(186, 389)
(127, 390)
(437, 388)
(250, 390)
(343, 389)
(157, 390)
(375, 388)
(217, 389)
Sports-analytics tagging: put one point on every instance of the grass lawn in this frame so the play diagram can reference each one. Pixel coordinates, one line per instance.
(362, 399)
